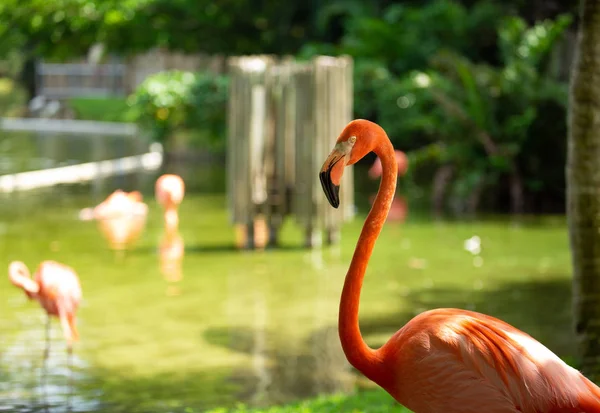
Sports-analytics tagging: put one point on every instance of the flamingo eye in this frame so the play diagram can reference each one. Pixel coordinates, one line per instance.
(352, 139)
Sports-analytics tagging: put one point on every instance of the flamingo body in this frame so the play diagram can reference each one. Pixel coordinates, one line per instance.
(56, 287)
(444, 360)
(117, 204)
(121, 218)
(451, 360)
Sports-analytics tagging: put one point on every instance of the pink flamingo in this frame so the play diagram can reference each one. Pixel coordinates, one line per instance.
(121, 218)
(444, 360)
(115, 204)
(56, 287)
(169, 191)
(399, 208)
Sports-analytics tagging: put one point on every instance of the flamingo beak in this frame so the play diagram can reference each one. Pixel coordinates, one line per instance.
(331, 174)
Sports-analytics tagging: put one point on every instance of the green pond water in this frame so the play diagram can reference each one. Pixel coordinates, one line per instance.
(243, 326)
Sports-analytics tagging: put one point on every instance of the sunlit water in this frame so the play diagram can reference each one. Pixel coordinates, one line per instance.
(240, 326)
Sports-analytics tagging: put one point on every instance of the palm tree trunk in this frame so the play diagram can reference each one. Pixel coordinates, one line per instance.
(583, 187)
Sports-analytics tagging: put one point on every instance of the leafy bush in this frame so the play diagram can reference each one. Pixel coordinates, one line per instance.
(13, 100)
(208, 105)
(170, 101)
(401, 38)
(484, 114)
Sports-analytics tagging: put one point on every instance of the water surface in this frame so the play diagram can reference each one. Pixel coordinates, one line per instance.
(243, 326)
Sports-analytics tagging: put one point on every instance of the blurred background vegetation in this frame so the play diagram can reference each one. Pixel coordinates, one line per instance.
(474, 90)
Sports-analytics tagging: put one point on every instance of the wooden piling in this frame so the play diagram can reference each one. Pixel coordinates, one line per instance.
(283, 119)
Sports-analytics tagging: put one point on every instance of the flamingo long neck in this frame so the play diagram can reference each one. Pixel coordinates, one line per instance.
(20, 277)
(171, 219)
(358, 353)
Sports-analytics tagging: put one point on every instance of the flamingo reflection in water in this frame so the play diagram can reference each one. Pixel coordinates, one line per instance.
(171, 252)
(259, 238)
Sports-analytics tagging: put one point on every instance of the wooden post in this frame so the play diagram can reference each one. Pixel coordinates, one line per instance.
(324, 107)
(283, 119)
(247, 119)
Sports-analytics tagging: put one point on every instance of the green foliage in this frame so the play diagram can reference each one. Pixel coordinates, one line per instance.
(497, 70)
(170, 101)
(403, 38)
(12, 98)
(160, 103)
(67, 28)
(208, 104)
(398, 39)
(482, 113)
(364, 402)
(491, 77)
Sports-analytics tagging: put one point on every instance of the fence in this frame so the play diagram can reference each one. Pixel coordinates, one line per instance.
(81, 172)
(283, 119)
(59, 81)
(118, 77)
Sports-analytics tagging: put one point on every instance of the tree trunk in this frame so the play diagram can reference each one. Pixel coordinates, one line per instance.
(474, 198)
(583, 187)
(27, 76)
(517, 192)
(441, 180)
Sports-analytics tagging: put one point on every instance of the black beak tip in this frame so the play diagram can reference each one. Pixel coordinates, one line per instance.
(335, 202)
(332, 191)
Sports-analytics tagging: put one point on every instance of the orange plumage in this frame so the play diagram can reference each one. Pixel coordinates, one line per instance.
(121, 218)
(56, 287)
(444, 360)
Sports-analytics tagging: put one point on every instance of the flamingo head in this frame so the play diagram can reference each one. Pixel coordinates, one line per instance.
(19, 275)
(357, 139)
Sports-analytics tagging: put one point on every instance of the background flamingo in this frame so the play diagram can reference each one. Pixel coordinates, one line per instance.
(444, 360)
(169, 191)
(113, 205)
(399, 207)
(121, 218)
(56, 287)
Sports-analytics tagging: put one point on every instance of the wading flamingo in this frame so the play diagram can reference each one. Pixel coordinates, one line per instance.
(444, 360)
(121, 218)
(169, 191)
(56, 287)
(399, 207)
